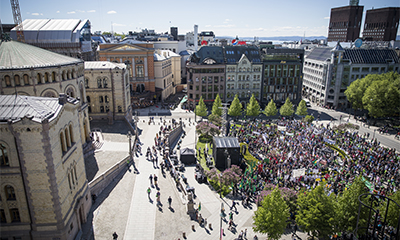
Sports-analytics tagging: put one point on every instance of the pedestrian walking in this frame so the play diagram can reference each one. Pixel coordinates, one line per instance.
(148, 191)
(169, 201)
(115, 235)
(234, 205)
(151, 179)
(231, 216)
(245, 233)
(155, 179)
(158, 194)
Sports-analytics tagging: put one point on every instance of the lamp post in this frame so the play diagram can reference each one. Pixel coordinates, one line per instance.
(130, 146)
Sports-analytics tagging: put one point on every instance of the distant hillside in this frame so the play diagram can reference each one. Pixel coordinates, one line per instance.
(282, 38)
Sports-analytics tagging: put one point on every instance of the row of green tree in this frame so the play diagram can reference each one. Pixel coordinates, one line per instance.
(322, 215)
(252, 109)
(377, 93)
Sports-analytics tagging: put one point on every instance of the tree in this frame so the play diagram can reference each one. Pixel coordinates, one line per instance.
(301, 108)
(207, 129)
(348, 205)
(316, 213)
(236, 107)
(215, 119)
(393, 211)
(271, 216)
(231, 175)
(270, 109)
(216, 108)
(253, 108)
(201, 109)
(287, 108)
(382, 97)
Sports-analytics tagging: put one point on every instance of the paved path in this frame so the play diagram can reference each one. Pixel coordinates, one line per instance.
(142, 211)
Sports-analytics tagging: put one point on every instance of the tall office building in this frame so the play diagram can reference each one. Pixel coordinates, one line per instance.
(174, 33)
(381, 24)
(345, 22)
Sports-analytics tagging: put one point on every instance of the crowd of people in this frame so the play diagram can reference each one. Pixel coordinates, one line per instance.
(295, 154)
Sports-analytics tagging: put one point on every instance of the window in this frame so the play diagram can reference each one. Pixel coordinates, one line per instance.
(15, 215)
(119, 109)
(86, 83)
(17, 80)
(88, 99)
(197, 96)
(71, 133)
(100, 99)
(62, 142)
(4, 156)
(203, 88)
(10, 193)
(46, 77)
(106, 99)
(39, 78)
(215, 88)
(210, 96)
(7, 79)
(139, 71)
(101, 109)
(26, 79)
(2, 216)
(53, 76)
(67, 137)
(99, 83)
(107, 108)
(215, 79)
(105, 82)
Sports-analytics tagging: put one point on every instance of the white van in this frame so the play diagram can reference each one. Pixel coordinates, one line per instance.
(308, 104)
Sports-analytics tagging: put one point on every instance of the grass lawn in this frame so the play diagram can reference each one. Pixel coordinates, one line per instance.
(202, 159)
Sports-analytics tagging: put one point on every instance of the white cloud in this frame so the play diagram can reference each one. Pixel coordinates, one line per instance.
(224, 26)
(91, 11)
(227, 20)
(111, 12)
(80, 11)
(58, 12)
(73, 12)
(35, 14)
(326, 17)
(118, 25)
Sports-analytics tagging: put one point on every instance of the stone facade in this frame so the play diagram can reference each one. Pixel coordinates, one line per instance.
(107, 89)
(140, 57)
(46, 171)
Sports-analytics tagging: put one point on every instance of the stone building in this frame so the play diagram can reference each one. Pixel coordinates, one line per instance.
(329, 71)
(206, 75)
(107, 90)
(163, 73)
(381, 24)
(282, 78)
(43, 185)
(243, 73)
(140, 58)
(43, 73)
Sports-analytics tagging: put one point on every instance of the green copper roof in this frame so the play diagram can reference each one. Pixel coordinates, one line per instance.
(17, 55)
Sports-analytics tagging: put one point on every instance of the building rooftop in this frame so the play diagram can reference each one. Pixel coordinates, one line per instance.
(15, 107)
(234, 53)
(226, 142)
(17, 55)
(320, 53)
(92, 65)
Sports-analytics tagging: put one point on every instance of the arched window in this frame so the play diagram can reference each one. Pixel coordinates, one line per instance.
(64, 76)
(69, 75)
(10, 192)
(86, 83)
(105, 82)
(89, 109)
(4, 156)
(67, 137)
(100, 99)
(17, 80)
(119, 109)
(7, 79)
(69, 180)
(76, 177)
(39, 78)
(70, 92)
(99, 83)
(26, 79)
(62, 142)
(46, 77)
(53, 76)
(88, 99)
(71, 133)
(101, 109)
(106, 99)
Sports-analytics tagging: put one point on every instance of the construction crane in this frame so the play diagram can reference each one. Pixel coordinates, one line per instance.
(17, 20)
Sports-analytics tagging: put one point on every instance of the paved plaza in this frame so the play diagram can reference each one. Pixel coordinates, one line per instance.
(125, 208)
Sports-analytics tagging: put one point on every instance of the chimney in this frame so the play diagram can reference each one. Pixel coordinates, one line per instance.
(62, 99)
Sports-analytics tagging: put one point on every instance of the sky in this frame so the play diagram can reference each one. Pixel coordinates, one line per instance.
(250, 18)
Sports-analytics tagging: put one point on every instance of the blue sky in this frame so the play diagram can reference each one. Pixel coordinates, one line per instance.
(261, 18)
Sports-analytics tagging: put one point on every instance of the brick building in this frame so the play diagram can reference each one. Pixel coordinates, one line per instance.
(381, 24)
(345, 22)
